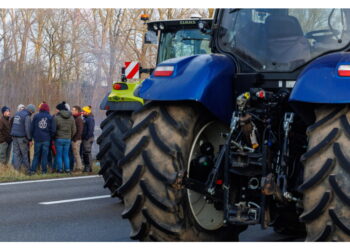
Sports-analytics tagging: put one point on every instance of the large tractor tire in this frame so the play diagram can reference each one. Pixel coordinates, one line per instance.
(112, 148)
(158, 149)
(326, 184)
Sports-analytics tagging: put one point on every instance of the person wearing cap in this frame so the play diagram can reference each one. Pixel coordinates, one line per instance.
(21, 136)
(5, 137)
(88, 138)
(76, 141)
(64, 127)
(41, 131)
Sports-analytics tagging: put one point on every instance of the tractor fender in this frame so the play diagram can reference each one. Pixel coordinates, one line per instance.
(207, 79)
(319, 82)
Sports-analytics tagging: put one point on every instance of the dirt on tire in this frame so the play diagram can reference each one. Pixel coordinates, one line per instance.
(326, 184)
(155, 159)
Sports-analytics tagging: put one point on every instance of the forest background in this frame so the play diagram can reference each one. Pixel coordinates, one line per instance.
(72, 55)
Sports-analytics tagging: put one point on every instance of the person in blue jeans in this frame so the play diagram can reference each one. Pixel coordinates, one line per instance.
(42, 131)
(62, 157)
(65, 128)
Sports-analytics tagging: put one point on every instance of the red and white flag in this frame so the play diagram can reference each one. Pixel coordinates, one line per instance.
(132, 70)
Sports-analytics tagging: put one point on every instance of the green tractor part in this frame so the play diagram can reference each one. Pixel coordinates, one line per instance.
(175, 38)
(124, 92)
(122, 98)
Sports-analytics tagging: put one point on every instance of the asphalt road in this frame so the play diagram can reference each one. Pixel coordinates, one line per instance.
(74, 210)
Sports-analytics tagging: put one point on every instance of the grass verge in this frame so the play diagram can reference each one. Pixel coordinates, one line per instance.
(9, 174)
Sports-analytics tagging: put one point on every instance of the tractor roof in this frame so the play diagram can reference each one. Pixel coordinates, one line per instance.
(177, 24)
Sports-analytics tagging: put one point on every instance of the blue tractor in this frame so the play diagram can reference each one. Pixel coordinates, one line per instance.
(255, 133)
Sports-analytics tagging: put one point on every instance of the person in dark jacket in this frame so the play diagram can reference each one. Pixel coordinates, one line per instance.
(5, 137)
(88, 138)
(20, 107)
(76, 141)
(71, 156)
(42, 131)
(21, 136)
(65, 128)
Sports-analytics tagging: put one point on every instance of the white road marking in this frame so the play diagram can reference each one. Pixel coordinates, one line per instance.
(48, 180)
(74, 200)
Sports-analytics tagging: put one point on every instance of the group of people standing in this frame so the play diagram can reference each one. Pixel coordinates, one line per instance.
(59, 140)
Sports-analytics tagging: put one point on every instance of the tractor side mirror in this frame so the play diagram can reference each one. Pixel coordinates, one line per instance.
(151, 37)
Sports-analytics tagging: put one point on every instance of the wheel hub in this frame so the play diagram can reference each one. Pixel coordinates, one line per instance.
(203, 209)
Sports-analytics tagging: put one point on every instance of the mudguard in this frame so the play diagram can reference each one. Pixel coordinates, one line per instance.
(207, 79)
(121, 102)
(319, 82)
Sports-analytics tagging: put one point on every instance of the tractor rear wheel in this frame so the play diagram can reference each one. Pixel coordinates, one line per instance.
(112, 148)
(159, 148)
(326, 184)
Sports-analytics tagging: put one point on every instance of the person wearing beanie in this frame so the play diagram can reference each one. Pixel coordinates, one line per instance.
(87, 109)
(4, 110)
(61, 106)
(41, 131)
(31, 108)
(88, 138)
(21, 134)
(5, 137)
(65, 129)
(41, 104)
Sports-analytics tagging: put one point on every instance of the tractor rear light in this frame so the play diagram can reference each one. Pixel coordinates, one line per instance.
(344, 70)
(117, 86)
(164, 71)
(261, 94)
(219, 182)
(120, 86)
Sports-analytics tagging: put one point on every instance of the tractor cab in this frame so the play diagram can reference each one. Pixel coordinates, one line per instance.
(178, 38)
(280, 40)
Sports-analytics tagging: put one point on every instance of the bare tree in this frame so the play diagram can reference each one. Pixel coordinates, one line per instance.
(72, 54)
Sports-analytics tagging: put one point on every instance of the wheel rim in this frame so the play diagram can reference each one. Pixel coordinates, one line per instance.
(205, 214)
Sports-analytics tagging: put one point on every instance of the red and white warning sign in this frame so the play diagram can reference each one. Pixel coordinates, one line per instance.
(132, 70)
